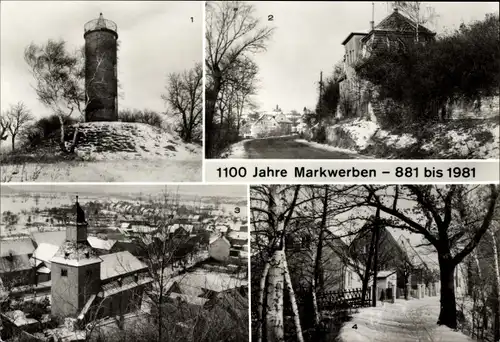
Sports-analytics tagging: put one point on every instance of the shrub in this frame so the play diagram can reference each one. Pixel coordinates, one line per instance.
(138, 116)
(43, 128)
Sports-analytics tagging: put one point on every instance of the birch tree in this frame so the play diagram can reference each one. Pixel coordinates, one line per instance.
(276, 279)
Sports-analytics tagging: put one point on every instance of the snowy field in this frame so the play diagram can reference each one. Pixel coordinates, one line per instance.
(404, 321)
(159, 170)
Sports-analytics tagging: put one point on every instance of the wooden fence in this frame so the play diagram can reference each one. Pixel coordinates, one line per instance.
(339, 300)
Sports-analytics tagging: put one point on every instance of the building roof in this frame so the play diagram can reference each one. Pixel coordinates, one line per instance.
(16, 247)
(117, 286)
(98, 243)
(238, 235)
(385, 274)
(196, 283)
(16, 263)
(44, 252)
(116, 264)
(400, 23)
(353, 34)
(213, 240)
(188, 299)
(75, 254)
(54, 238)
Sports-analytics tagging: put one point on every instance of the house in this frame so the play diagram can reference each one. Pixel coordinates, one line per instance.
(271, 124)
(394, 30)
(41, 260)
(219, 249)
(391, 254)
(338, 274)
(15, 266)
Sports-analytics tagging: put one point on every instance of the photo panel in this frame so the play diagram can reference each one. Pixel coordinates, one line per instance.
(102, 91)
(373, 262)
(114, 262)
(349, 80)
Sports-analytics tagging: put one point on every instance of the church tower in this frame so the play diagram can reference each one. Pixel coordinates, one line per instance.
(75, 270)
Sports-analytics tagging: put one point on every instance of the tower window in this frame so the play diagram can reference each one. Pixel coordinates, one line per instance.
(64, 272)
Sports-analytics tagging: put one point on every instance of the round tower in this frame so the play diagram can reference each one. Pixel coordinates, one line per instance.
(101, 85)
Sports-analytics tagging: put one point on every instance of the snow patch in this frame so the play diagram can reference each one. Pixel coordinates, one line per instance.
(324, 146)
(360, 131)
(236, 150)
(405, 320)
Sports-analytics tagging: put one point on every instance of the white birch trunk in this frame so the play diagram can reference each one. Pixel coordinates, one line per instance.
(315, 304)
(293, 300)
(497, 269)
(260, 303)
(275, 331)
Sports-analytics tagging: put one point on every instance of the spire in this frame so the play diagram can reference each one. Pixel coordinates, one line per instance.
(80, 214)
(101, 23)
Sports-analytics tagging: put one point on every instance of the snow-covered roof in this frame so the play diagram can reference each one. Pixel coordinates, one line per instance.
(16, 247)
(222, 238)
(385, 274)
(188, 299)
(45, 251)
(120, 263)
(98, 243)
(53, 238)
(193, 283)
(237, 235)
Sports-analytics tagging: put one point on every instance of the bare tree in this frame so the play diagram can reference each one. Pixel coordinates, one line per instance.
(18, 117)
(184, 95)
(456, 218)
(413, 9)
(232, 31)
(4, 126)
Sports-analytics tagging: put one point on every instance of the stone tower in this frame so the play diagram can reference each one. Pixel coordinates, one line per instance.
(101, 85)
(75, 270)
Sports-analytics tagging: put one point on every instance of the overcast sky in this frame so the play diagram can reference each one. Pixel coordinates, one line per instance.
(156, 38)
(200, 190)
(308, 39)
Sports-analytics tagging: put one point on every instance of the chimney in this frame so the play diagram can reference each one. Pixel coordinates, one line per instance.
(372, 25)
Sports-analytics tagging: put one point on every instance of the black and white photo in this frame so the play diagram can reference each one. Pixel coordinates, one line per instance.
(101, 91)
(343, 80)
(124, 262)
(375, 262)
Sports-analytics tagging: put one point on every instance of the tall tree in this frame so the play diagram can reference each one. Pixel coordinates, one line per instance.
(4, 126)
(452, 219)
(184, 95)
(18, 117)
(414, 10)
(232, 31)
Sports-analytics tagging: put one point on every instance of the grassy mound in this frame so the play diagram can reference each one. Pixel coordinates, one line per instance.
(114, 141)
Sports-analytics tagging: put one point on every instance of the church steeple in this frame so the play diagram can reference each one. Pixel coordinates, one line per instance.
(77, 231)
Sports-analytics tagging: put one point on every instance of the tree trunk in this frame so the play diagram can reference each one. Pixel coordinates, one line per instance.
(260, 303)
(375, 259)
(13, 142)
(274, 310)
(497, 280)
(210, 103)
(448, 310)
(366, 277)
(293, 300)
